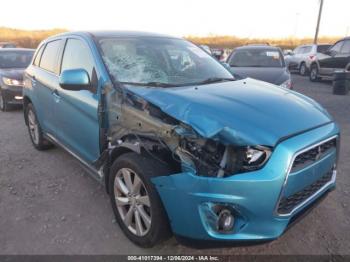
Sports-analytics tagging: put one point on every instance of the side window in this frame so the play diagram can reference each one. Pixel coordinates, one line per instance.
(77, 55)
(297, 50)
(38, 56)
(346, 47)
(336, 48)
(49, 58)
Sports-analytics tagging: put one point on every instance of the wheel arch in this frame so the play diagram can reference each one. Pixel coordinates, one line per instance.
(26, 102)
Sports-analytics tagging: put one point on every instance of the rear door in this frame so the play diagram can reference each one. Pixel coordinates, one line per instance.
(331, 60)
(344, 56)
(77, 111)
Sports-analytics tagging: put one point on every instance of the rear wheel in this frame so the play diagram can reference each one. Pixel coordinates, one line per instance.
(135, 200)
(303, 69)
(3, 103)
(34, 129)
(314, 73)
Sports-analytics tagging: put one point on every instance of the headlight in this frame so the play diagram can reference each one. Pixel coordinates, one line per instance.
(211, 158)
(255, 157)
(12, 82)
(287, 84)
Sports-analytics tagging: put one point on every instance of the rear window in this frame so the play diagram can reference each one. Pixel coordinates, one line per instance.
(15, 59)
(307, 49)
(256, 58)
(49, 58)
(322, 48)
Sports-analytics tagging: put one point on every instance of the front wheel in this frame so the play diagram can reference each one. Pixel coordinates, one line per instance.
(135, 200)
(314, 73)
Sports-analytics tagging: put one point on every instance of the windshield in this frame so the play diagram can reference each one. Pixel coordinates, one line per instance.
(15, 59)
(256, 58)
(160, 61)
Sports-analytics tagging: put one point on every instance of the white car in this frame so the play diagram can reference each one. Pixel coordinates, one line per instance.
(303, 56)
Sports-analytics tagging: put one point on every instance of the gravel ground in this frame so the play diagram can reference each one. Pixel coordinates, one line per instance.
(49, 205)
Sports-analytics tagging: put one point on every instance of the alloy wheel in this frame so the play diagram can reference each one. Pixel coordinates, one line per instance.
(132, 201)
(313, 73)
(33, 127)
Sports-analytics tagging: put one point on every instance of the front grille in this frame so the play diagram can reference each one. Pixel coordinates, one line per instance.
(312, 155)
(287, 204)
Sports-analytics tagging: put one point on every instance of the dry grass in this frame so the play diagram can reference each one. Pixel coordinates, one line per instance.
(233, 41)
(26, 38)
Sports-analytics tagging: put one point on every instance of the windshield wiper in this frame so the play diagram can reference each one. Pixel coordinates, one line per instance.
(156, 84)
(214, 80)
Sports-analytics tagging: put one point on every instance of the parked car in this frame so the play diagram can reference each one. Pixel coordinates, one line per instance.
(261, 62)
(12, 65)
(180, 145)
(303, 56)
(7, 45)
(337, 57)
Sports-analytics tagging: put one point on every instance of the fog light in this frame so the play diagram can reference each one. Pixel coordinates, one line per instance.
(225, 220)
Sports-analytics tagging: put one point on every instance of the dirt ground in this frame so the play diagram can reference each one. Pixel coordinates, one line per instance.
(49, 205)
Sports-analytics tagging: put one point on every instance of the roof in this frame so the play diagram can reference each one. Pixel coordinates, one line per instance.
(16, 49)
(115, 33)
(263, 47)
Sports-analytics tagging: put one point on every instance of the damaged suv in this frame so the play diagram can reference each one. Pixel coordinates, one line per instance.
(180, 145)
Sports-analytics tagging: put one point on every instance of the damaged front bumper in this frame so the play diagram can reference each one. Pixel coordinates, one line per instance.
(252, 197)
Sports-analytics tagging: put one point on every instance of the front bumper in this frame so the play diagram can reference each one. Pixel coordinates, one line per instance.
(12, 94)
(253, 197)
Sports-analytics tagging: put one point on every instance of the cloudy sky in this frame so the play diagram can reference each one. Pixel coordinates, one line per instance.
(244, 18)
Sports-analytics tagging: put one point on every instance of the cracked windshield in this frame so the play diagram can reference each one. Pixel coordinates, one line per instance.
(160, 62)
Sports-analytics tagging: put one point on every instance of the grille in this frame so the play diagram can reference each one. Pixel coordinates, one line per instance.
(312, 155)
(287, 204)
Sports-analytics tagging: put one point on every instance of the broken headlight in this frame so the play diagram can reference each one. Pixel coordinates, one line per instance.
(255, 157)
(211, 158)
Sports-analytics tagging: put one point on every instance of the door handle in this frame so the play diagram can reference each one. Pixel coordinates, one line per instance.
(33, 80)
(56, 95)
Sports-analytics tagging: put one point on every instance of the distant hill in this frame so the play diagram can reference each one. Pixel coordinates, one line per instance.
(26, 38)
(233, 41)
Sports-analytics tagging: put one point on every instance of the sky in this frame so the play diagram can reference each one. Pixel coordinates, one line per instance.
(243, 18)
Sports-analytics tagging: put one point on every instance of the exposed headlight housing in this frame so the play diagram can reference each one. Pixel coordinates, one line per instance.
(211, 158)
(12, 82)
(255, 157)
(287, 84)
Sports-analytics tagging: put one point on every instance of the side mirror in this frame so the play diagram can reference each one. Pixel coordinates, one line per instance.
(225, 65)
(75, 80)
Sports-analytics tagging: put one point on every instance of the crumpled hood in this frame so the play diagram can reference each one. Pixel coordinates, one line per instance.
(268, 74)
(13, 73)
(244, 112)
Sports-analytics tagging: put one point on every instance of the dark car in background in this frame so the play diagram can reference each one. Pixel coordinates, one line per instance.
(7, 45)
(261, 62)
(336, 58)
(13, 61)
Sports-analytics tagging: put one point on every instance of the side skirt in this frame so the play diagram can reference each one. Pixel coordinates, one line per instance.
(91, 170)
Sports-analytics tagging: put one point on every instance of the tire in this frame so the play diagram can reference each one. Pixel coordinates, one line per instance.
(144, 167)
(303, 69)
(3, 103)
(314, 73)
(34, 129)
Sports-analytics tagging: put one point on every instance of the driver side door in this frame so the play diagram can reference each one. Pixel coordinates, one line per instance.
(77, 111)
